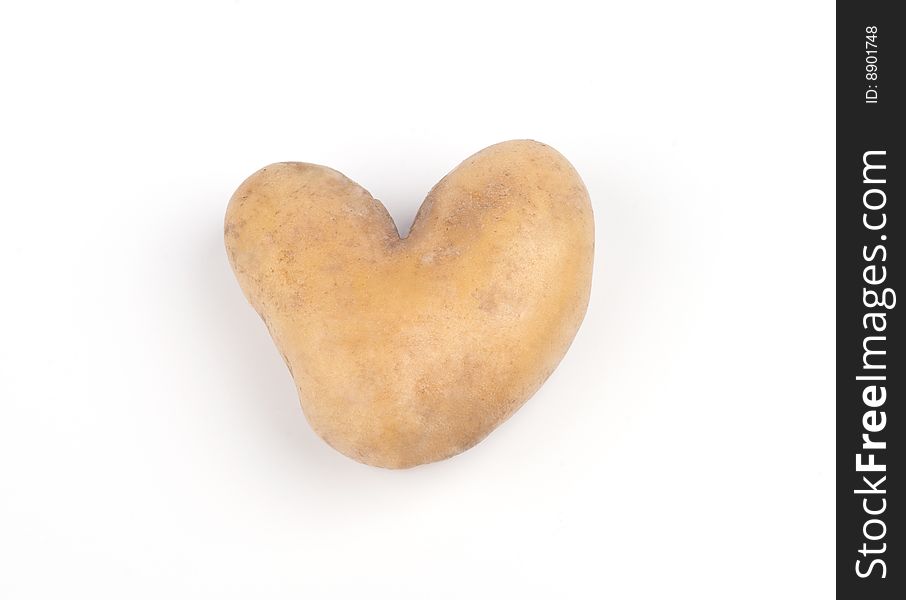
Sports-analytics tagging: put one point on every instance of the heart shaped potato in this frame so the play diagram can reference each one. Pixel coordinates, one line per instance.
(408, 351)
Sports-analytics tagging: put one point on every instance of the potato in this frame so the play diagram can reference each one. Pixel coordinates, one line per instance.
(408, 351)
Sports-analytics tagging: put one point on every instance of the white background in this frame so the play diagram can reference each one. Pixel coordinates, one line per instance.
(151, 442)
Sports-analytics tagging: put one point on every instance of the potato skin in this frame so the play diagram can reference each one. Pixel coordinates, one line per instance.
(408, 351)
